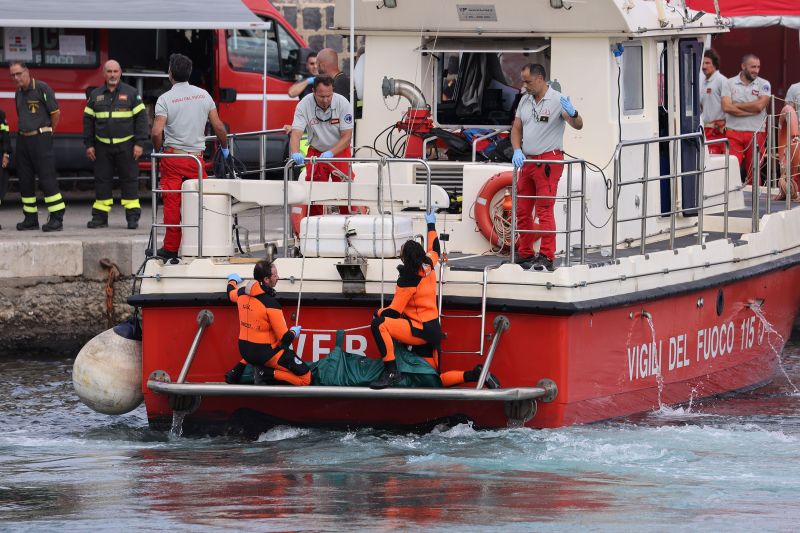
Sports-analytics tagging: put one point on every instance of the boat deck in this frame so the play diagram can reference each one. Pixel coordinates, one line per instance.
(596, 257)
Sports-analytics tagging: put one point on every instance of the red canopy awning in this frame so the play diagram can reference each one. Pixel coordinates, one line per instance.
(748, 8)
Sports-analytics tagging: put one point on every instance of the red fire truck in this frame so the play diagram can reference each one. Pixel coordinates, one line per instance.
(227, 63)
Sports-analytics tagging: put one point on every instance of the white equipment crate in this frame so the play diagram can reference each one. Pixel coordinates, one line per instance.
(372, 236)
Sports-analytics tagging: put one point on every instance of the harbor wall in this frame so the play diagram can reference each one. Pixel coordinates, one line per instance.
(53, 292)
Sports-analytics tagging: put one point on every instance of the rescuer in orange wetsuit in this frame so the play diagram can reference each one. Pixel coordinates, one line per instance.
(264, 340)
(413, 317)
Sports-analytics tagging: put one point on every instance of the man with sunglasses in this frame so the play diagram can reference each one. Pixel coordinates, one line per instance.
(328, 119)
(538, 133)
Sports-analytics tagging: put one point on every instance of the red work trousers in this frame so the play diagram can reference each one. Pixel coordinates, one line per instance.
(173, 171)
(324, 172)
(713, 134)
(538, 180)
(741, 143)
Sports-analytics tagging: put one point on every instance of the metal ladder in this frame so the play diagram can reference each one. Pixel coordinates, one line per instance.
(501, 323)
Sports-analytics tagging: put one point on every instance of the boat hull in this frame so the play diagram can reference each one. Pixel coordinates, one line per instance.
(607, 362)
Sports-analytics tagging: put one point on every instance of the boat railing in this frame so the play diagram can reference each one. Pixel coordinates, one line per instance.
(698, 173)
(262, 165)
(381, 162)
(570, 196)
(154, 225)
(489, 135)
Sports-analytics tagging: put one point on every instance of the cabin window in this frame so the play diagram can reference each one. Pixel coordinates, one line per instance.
(246, 51)
(632, 80)
(51, 47)
(478, 81)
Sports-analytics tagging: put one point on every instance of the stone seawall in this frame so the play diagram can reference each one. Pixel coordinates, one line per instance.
(53, 292)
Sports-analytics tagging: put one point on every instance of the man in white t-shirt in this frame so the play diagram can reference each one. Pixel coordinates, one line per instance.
(744, 100)
(328, 118)
(538, 133)
(179, 127)
(793, 96)
(713, 116)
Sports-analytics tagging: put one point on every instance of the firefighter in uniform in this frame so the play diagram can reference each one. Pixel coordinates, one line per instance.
(114, 130)
(38, 116)
(5, 145)
(413, 316)
(264, 340)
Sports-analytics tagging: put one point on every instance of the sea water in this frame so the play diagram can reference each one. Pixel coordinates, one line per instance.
(731, 463)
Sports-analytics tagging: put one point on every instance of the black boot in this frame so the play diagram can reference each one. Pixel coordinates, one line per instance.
(390, 378)
(472, 376)
(233, 375)
(132, 216)
(31, 221)
(99, 219)
(55, 221)
(263, 376)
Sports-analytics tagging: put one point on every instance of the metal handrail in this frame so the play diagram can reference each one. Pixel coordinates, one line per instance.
(204, 319)
(154, 157)
(617, 184)
(569, 198)
(501, 325)
(316, 160)
(425, 146)
(476, 140)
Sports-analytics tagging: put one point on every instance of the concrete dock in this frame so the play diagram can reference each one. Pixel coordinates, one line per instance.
(53, 288)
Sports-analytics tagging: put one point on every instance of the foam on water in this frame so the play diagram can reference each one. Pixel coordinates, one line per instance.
(731, 462)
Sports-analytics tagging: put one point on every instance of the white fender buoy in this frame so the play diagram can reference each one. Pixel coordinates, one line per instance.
(107, 374)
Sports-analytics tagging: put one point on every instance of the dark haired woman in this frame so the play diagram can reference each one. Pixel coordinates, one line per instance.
(264, 340)
(413, 317)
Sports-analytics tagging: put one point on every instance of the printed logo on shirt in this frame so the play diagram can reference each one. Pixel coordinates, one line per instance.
(765, 88)
(708, 91)
(100, 98)
(33, 105)
(348, 119)
(123, 97)
(313, 122)
(755, 92)
(334, 121)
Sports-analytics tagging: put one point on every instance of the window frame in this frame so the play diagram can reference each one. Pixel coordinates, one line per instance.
(281, 72)
(633, 111)
(94, 32)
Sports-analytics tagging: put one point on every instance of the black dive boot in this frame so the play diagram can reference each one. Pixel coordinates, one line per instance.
(390, 378)
(99, 219)
(55, 221)
(132, 216)
(234, 375)
(472, 376)
(263, 376)
(31, 221)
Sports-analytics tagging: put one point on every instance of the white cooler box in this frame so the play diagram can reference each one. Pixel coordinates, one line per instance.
(371, 236)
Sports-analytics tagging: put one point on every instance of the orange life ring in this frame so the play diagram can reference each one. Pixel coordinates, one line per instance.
(487, 204)
(789, 137)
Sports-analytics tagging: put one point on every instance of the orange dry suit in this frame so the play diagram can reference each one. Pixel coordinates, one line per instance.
(413, 317)
(264, 339)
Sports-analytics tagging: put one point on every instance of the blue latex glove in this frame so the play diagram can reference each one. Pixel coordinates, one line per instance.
(225, 152)
(326, 154)
(235, 277)
(310, 80)
(430, 217)
(567, 106)
(295, 330)
(297, 157)
(518, 158)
